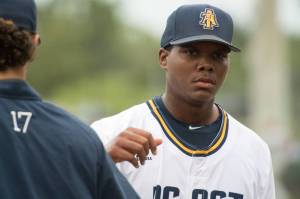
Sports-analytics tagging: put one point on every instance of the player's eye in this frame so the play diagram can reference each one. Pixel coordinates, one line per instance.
(219, 55)
(190, 52)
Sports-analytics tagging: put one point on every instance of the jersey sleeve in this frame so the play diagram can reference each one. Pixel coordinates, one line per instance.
(104, 130)
(268, 185)
(110, 127)
(111, 183)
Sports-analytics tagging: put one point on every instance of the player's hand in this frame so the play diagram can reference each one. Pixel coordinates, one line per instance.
(133, 145)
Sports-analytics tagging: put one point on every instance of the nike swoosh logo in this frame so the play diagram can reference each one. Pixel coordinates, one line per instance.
(195, 127)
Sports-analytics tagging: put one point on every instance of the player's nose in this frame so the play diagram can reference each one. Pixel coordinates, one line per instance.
(208, 67)
(204, 63)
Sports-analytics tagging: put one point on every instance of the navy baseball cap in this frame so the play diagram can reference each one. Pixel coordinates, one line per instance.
(21, 12)
(198, 22)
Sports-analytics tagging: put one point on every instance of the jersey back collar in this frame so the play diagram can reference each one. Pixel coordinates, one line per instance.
(17, 89)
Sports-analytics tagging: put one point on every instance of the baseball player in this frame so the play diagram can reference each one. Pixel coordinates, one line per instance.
(45, 153)
(198, 149)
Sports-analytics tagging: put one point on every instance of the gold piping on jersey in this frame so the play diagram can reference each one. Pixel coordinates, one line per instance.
(213, 148)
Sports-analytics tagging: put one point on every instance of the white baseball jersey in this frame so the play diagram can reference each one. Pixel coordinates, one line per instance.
(237, 165)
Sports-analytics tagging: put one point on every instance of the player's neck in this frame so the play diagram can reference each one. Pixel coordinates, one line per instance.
(204, 113)
(16, 73)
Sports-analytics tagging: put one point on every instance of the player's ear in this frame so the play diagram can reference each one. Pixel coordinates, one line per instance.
(36, 39)
(163, 55)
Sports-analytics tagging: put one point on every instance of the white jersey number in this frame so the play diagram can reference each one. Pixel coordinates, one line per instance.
(17, 116)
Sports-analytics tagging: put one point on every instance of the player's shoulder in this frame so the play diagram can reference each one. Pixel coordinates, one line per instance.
(246, 136)
(109, 127)
(250, 148)
(72, 126)
(126, 116)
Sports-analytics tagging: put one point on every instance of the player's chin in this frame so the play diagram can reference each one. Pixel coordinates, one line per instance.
(203, 95)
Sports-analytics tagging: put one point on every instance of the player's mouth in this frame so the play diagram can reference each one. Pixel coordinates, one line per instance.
(204, 83)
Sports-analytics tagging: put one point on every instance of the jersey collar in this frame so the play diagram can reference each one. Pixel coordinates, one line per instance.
(214, 147)
(18, 89)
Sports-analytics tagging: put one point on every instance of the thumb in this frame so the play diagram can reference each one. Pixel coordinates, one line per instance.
(158, 142)
(155, 143)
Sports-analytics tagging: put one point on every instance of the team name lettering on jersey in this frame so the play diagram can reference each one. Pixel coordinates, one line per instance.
(147, 158)
(169, 192)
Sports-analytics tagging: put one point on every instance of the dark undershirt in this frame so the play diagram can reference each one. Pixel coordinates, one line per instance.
(199, 137)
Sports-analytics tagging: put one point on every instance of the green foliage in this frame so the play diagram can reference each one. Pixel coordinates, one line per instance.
(75, 42)
(88, 58)
(291, 178)
(295, 81)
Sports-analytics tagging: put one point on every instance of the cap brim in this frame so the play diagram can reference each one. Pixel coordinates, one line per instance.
(210, 38)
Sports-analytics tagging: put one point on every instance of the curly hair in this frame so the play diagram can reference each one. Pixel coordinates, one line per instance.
(16, 46)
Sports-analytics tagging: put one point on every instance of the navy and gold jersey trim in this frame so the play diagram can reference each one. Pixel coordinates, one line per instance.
(215, 146)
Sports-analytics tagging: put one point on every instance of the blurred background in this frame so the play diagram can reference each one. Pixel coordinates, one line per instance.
(99, 57)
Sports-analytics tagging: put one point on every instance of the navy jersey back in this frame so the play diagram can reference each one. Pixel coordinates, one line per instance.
(46, 153)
